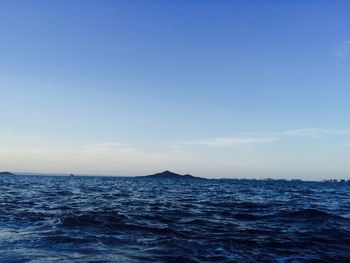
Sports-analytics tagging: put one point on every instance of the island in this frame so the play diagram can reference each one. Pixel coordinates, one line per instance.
(6, 173)
(170, 175)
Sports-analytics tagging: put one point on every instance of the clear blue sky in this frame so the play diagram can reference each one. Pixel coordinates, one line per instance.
(212, 88)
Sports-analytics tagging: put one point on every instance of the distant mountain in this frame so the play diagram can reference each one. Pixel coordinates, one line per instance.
(169, 175)
(6, 173)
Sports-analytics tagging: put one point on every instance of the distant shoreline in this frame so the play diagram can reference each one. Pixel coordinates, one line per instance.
(153, 176)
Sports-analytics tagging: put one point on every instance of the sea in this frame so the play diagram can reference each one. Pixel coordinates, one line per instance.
(120, 219)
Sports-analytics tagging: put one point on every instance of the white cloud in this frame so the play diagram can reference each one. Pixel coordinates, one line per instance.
(344, 51)
(316, 133)
(231, 141)
(108, 147)
(265, 138)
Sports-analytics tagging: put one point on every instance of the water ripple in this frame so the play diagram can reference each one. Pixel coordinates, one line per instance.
(99, 219)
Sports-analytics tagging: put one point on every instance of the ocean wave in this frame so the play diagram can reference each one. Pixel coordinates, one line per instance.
(119, 219)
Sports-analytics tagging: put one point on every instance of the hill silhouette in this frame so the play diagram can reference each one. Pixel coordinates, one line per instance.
(170, 175)
(6, 173)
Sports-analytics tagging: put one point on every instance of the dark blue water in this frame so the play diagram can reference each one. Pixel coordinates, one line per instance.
(82, 219)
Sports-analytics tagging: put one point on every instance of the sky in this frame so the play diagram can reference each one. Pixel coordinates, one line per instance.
(237, 89)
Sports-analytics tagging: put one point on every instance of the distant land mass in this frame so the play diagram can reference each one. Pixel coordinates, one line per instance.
(6, 173)
(169, 175)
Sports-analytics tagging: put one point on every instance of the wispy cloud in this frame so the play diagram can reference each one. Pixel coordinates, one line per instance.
(345, 144)
(231, 141)
(108, 147)
(6, 130)
(316, 133)
(343, 52)
(265, 138)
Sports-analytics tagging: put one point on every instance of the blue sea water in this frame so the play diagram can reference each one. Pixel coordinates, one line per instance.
(99, 219)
